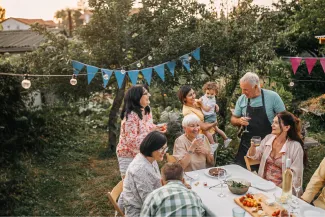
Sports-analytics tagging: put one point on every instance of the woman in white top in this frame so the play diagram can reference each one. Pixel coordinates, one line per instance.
(143, 175)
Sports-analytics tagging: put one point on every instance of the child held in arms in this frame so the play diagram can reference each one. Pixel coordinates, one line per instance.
(209, 108)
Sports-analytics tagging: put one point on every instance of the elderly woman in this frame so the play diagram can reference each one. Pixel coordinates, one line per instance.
(284, 142)
(143, 175)
(193, 151)
(135, 125)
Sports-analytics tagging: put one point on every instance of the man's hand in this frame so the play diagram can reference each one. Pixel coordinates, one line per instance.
(243, 121)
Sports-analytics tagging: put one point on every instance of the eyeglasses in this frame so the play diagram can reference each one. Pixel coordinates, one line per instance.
(163, 149)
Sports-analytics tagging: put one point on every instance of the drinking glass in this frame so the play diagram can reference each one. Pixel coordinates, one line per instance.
(222, 178)
(246, 115)
(238, 212)
(297, 186)
(256, 140)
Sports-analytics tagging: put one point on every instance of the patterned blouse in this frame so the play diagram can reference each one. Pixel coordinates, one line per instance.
(142, 177)
(133, 131)
(273, 170)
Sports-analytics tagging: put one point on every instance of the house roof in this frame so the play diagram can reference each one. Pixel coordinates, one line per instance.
(47, 23)
(15, 41)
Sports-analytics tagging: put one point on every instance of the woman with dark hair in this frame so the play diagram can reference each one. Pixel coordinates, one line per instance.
(191, 105)
(143, 175)
(135, 125)
(283, 143)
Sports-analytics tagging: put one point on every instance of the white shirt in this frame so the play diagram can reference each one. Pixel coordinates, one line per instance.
(209, 102)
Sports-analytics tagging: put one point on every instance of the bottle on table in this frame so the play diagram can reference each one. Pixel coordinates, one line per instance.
(287, 182)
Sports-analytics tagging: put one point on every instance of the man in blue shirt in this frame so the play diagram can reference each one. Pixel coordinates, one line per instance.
(255, 110)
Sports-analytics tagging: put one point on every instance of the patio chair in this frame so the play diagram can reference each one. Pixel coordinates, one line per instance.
(113, 196)
(171, 158)
(249, 162)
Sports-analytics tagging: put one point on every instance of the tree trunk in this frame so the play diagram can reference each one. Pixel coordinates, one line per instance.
(113, 115)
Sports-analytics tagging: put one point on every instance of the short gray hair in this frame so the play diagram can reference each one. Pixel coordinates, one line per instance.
(190, 119)
(251, 78)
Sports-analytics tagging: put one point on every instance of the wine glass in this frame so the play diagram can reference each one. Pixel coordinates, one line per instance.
(222, 178)
(246, 115)
(297, 186)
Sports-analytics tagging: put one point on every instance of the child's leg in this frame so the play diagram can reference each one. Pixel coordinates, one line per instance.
(209, 136)
(221, 133)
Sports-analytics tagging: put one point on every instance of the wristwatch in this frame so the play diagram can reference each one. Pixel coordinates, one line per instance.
(190, 152)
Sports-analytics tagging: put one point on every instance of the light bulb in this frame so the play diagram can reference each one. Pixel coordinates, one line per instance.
(26, 83)
(105, 76)
(149, 57)
(139, 65)
(160, 39)
(189, 58)
(73, 81)
(215, 67)
(291, 84)
(123, 71)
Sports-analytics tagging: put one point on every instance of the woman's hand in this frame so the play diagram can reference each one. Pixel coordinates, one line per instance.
(202, 150)
(198, 102)
(162, 128)
(195, 144)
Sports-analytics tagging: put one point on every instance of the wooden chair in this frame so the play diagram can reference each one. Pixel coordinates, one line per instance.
(249, 162)
(171, 158)
(113, 196)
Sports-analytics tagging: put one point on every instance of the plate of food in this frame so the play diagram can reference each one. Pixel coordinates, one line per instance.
(214, 172)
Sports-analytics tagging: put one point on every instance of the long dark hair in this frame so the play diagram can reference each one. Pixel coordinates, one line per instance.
(294, 133)
(182, 93)
(132, 101)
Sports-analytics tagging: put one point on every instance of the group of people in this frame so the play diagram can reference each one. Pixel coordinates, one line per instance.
(142, 144)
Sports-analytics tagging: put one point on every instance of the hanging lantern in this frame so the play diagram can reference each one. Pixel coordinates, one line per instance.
(26, 83)
(139, 65)
(291, 84)
(149, 57)
(189, 58)
(73, 80)
(105, 76)
(215, 67)
(123, 71)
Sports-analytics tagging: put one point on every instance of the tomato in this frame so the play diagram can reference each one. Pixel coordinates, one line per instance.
(278, 212)
(242, 199)
(245, 202)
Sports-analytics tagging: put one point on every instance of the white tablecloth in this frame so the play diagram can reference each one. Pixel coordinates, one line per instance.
(222, 207)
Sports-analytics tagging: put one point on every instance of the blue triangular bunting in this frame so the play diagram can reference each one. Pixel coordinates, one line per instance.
(196, 54)
(171, 66)
(133, 75)
(91, 72)
(147, 74)
(186, 62)
(119, 77)
(160, 69)
(77, 65)
(108, 73)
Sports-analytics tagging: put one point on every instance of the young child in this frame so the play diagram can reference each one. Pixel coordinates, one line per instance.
(209, 108)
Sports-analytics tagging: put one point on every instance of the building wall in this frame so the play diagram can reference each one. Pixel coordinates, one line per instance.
(12, 24)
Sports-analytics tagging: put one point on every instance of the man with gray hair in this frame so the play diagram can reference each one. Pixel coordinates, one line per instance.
(174, 198)
(255, 110)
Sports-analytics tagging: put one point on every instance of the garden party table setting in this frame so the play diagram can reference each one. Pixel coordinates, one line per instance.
(231, 190)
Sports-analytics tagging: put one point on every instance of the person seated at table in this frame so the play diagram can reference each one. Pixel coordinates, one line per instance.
(143, 176)
(284, 142)
(316, 182)
(192, 152)
(174, 198)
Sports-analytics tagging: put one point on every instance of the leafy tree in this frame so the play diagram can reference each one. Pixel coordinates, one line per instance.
(63, 17)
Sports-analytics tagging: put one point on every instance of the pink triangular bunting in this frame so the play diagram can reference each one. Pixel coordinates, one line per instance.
(310, 62)
(322, 62)
(295, 62)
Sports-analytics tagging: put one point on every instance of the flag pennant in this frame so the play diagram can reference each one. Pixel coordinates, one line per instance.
(196, 54)
(322, 62)
(119, 77)
(147, 74)
(160, 69)
(186, 62)
(77, 65)
(91, 72)
(106, 76)
(133, 75)
(171, 66)
(295, 62)
(310, 62)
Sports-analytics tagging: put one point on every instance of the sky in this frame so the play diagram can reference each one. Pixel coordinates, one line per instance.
(45, 9)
